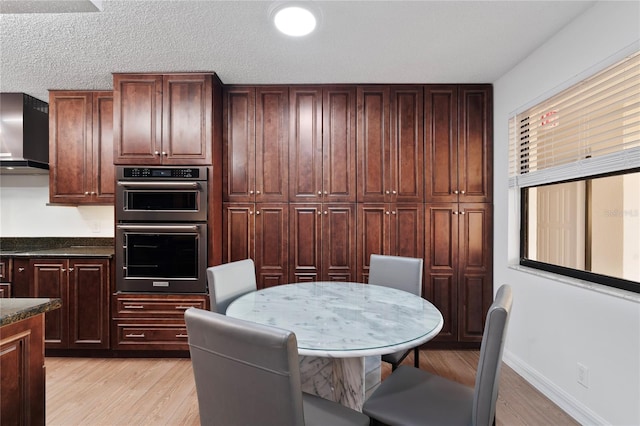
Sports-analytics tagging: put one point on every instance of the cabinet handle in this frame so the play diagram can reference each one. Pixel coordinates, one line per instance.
(393, 212)
(326, 212)
(326, 192)
(386, 212)
(93, 192)
(394, 192)
(86, 193)
(387, 192)
(63, 270)
(319, 212)
(258, 192)
(319, 192)
(164, 153)
(20, 269)
(257, 212)
(461, 212)
(462, 192)
(184, 308)
(251, 192)
(138, 336)
(250, 212)
(182, 335)
(157, 152)
(455, 212)
(134, 306)
(70, 269)
(456, 191)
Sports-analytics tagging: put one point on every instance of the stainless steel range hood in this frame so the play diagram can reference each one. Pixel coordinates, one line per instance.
(24, 134)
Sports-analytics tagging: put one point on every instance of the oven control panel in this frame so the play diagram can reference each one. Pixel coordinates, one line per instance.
(160, 173)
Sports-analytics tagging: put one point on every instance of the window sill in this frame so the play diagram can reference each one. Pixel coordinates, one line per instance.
(599, 288)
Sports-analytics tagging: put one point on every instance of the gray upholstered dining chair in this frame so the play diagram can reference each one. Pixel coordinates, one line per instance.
(229, 281)
(410, 396)
(248, 374)
(402, 273)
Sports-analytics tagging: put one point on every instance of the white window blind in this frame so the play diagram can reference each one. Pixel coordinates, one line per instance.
(588, 129)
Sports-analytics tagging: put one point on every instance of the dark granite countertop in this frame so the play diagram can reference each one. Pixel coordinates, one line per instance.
(17, 309)
(73, 251)
(57, 247)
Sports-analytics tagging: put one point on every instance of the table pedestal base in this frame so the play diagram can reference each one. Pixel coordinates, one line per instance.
(348, 381)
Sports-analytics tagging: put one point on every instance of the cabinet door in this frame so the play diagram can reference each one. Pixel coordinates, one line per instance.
(475, 269)
(50, 277)
(338, 242)
(475, 160)
(441, 145)
(22, 281)
(373, 143)
(406, 233)
(272, 144)
(70, 146)
(88, 303)
(373, 235)
(239, 157)
(137, 119)
(305, 254)
(187, 119)
(103, 170)
(271, 241)
(239, 229)
(441, 265)
(305, 146)
(339, 144)
(406, 158)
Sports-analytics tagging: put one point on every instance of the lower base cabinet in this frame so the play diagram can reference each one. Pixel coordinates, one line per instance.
(152, 321)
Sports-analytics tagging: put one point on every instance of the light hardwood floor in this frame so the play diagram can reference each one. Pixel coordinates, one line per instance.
(161, 391)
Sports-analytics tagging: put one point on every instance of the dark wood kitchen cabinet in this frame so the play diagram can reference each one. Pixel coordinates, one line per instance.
(322, 144)
(256, 144)
(459, 143)
(458, 267)
(258, 231)
(83, 286)
(155, 322)
(6, 274)
(395, 229)
(81, 166)
(322, 242)
(166, 119)
(390, 144)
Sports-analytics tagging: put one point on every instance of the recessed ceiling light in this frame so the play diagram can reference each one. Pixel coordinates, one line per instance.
(294, 21)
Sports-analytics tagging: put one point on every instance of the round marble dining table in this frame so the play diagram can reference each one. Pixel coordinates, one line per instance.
(340, 327)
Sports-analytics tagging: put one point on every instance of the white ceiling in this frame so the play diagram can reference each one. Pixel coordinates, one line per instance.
(356, 42)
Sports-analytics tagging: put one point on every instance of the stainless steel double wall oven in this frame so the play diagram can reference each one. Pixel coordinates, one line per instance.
(161, 229)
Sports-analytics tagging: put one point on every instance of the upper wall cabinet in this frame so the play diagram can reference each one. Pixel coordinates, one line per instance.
(81, 147)
(390, 144)
(164, 119)
(322, 144)
(458, 143)
(256, 144)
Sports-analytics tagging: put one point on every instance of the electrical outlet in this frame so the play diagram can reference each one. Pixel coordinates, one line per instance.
(583, 375)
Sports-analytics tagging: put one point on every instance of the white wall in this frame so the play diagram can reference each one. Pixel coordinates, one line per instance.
(24, 212)
(558, 323)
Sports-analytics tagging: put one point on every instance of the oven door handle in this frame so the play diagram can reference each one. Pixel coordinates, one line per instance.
(160, 185)
(158, 227)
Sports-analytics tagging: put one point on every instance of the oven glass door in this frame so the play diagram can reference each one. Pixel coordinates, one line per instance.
(161, 201)
(162, 257)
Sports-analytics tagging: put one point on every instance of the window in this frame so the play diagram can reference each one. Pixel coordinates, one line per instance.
(575, 158)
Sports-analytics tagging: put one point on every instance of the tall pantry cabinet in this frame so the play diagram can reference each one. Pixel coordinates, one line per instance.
(317, 178)
(458, 209)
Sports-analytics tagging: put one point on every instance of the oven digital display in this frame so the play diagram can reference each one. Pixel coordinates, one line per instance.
(160, 173)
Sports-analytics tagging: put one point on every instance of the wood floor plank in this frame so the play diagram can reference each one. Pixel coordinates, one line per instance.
(159, 391)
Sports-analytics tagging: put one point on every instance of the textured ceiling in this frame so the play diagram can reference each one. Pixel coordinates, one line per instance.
(356, 42)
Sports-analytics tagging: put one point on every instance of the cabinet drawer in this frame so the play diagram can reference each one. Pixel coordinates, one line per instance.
(150, 335)
(5, 290)
(134, 306)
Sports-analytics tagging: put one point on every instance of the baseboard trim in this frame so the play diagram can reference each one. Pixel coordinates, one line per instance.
(574, 408)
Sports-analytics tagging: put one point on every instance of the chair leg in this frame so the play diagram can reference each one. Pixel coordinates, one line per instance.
(416, 357)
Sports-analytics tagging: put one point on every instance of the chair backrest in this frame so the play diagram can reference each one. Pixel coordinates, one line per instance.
(229, 281)
(489, 366)
(245, 373)
(402, 273)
